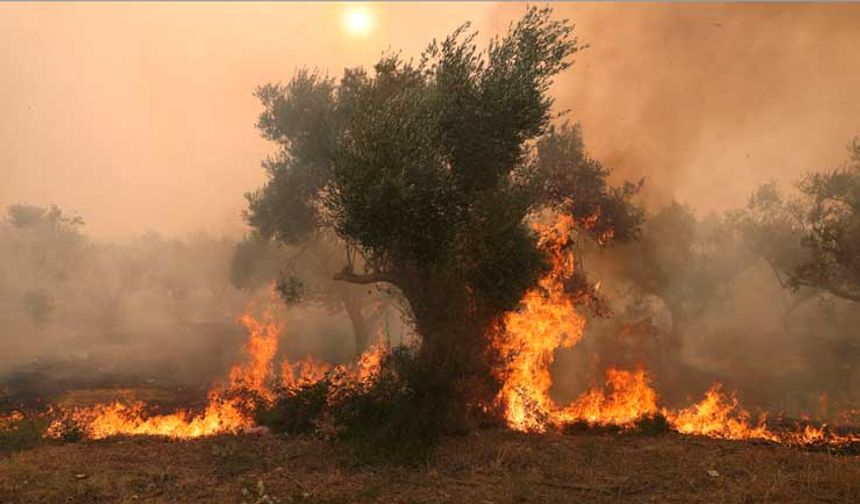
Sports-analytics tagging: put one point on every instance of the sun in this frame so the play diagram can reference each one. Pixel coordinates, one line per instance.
(358, 20)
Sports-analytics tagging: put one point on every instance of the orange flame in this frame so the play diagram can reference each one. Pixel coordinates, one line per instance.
(303, 373)
(8, 421)
(630, 397)
(229, 407)
(261, 348)
(530, 336)
(526, 340)
(547, 321)
(225, 412)
(719, 416)
(103, 421)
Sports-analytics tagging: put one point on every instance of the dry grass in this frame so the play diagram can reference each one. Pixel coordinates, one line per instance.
(489, 467)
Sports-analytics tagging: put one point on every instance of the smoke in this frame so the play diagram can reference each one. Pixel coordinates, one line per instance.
(708, 101)
(141, 117)
(149, 311)
(694, 303)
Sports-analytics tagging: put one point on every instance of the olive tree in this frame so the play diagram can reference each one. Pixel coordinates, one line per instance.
(430, 171)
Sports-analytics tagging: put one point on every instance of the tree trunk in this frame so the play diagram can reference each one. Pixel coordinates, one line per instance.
(455, 361)
(454, 349)
(359, 327)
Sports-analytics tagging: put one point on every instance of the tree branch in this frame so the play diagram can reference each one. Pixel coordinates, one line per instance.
(367, 278)
(832, 289)
(844, 294)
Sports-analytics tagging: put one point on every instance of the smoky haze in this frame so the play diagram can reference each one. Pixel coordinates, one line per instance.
(140, 117)
(708, 101)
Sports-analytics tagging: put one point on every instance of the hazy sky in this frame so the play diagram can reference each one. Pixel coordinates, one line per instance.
(140, 116)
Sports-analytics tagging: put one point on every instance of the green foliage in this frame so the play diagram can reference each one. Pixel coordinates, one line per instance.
(28, 216)
(302, 274)
(254, 262)
(428, 164)
(652, 425)
(398, 415)
(564, 177)
(42, 244)
(297, 411)
(772, 225)
(833, 229)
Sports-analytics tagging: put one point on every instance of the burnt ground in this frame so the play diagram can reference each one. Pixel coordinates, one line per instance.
(486, 467)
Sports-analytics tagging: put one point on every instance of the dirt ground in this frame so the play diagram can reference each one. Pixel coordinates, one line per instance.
(487, 467)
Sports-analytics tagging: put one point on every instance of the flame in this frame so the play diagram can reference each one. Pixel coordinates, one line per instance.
(369, 363)
(630, 397)
(261, 348)
(303, 373)
(8, 421)
(547, 321)
(361, 373)
(720, 416)
(530, 336)
(308, 371)
(103, 421)
(229, 406)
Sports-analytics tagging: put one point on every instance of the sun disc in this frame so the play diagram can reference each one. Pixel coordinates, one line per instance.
(358, 20)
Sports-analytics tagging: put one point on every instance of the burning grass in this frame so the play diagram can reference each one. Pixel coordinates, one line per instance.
(252, 387)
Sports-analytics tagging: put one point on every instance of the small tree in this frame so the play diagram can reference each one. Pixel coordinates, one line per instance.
(832, 225)
(42, 248)
(812, 239)
(430, 172)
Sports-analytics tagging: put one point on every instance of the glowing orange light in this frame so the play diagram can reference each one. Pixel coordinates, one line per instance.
(358, 20)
